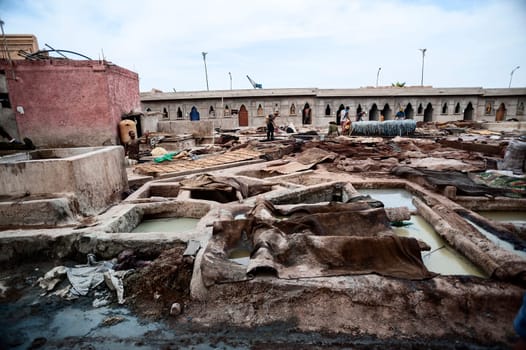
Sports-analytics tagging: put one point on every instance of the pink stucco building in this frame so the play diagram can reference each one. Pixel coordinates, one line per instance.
(59, 102)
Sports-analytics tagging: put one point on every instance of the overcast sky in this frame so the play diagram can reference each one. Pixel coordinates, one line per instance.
(287, 43)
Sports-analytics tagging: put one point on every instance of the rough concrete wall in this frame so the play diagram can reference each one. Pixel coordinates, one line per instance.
(70, 103)
(36, 178)
(202, 128)
(97, 179)
(100, 179)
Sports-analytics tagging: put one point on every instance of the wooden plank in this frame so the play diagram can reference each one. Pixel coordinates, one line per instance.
(180, 165)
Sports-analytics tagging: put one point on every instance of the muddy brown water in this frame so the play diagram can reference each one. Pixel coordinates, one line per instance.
(30, 320)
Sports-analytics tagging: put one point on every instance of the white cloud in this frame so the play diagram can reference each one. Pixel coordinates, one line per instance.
(294, 43)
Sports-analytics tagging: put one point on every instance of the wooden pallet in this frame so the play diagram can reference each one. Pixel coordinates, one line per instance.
(183, 165)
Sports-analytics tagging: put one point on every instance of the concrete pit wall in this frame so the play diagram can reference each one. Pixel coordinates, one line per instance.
(96, 177)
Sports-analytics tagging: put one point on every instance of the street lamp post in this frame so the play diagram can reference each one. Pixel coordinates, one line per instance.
(206, 71)
(377, 74)
(230, 74)
(8, 55)
(423, 55)
(511, 75)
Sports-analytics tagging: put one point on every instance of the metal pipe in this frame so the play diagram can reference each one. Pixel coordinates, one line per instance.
(7, 50)
(377, 74)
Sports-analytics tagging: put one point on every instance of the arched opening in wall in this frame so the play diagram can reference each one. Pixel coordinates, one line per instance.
(387, 112)
(243, 116)
(501, 113)
(292, 110)
(306, 114)
(520, 108)
(328, 110)
(359, 110)
(444, 108)
(165, 113)
(179, 113)
(457, 108)
(420, 109)
(339, 114)
(468, 112)
(409, 112)
(373, 112)
(211, 112)
(194, 114)
(148, 109)
(260, 111)
(226, 111)
(428, 113)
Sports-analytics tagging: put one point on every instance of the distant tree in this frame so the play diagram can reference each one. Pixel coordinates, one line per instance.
(398, 84)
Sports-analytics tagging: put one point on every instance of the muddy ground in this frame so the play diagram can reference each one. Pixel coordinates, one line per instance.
(30, 320)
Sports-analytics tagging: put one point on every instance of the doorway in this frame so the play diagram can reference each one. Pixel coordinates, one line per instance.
(194, 114)
(306, 114)
(468, 112)
(373, 112)
(409, 112)
(428, 113)
(387, 112)
(243, 116)
(501, 113)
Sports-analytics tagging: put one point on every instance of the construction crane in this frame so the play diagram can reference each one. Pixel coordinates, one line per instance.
(254, 84)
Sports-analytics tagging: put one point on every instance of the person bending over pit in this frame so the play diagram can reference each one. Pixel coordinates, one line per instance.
(132, 146)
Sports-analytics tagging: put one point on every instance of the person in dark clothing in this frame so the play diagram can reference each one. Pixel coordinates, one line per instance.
(519, 323)
(6, 135)
(400, 115)
(271, 126)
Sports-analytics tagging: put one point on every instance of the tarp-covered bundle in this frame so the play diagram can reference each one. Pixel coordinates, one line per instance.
(385, 128)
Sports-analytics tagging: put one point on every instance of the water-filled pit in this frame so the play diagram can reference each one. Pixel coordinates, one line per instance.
(178, 224)
(390, 197)
(497, 241)
(441, 258)
(512, 217)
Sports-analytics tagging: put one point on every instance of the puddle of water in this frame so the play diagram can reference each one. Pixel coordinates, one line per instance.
(240, 256)
(166, 225)
(513, 217)
(441, 258)
(497, 241)
(390, 197)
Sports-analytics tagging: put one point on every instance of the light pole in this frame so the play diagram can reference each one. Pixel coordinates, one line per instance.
(377, 74)
(230, 74)
(511, 75)
(423, 55)
(206, 72)
(8, 55)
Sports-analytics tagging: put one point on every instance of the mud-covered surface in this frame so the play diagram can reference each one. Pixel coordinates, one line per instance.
(255, 315)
